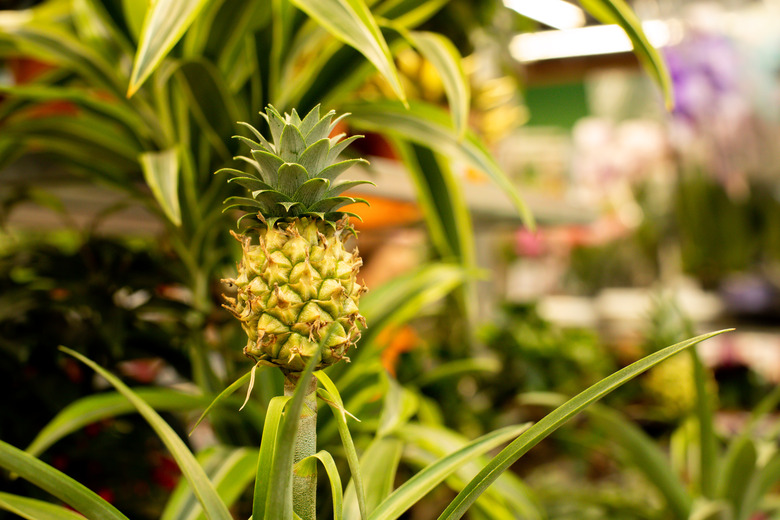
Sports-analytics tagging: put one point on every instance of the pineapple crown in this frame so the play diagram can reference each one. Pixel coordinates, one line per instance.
(295, 174)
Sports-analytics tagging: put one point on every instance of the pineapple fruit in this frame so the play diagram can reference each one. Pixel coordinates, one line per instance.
(297, 292)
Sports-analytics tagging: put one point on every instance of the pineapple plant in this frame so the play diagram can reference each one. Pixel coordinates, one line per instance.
(297, 289)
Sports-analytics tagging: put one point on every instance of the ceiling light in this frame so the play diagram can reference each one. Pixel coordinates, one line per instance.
(587, 41)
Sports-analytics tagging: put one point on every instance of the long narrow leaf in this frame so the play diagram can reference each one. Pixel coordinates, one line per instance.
(738, 470)
(428, 126)
(406, 296)
(352, 22)
(210, 102)
(87, 502)
(33, 509)
(619, 12)
(333, 398)
(708, 447)
(191, 470)
(763, 480)
(553, 421)
(638, 447)
(52, 44)
(227, 392)
(231, 477)
(273, 419)
(83, 98)
(97, 407)
(446, 59)
(231, 470)
(442, 202)
(411, 491)
(134, 12)
(161, 171)
(279, 504)
(308, 465)
(165, 23)
(378, 466)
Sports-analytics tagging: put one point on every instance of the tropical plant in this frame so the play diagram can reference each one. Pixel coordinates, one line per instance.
(701, 475)
(152, 91)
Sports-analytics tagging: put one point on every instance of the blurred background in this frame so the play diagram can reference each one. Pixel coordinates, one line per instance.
(653, 225)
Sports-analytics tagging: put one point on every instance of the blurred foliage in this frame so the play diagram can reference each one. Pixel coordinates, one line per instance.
(105, 296)
(536, 355)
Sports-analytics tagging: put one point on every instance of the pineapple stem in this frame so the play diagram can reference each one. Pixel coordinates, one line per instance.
(304, 480)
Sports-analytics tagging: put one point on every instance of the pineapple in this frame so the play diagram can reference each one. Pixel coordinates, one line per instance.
(297, 293)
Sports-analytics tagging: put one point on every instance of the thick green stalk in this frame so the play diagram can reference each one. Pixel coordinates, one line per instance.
(304, 480)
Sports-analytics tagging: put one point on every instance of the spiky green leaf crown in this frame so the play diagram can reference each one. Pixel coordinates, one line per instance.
(295, 174)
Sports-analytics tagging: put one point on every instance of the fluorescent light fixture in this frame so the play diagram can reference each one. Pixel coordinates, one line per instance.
(587, 41)
(555, 13)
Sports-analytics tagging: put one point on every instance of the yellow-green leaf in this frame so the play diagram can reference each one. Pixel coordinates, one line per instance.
(352, 22)
(619, 12)
(161, 171)
(164, 25)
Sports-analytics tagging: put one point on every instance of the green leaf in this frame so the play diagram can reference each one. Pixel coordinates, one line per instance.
(210, 102)
(333, 476)
(405, 297)
(82, 130)
(443, 55)
(97, 29)
(313, 158)
(57, 483)
(32, 509)
(378, 466)
(428, 126)
(311, 190)
(135, 13)
(409, 13)
(443, 203)
(351, 22)
(338, 145)
(737, 473)
(291, 144)
(268, 165)
(161, 171)
(89, 101)
(250, 183)
(52, 44)
(230, 469)
(344, 186)
(333, 398)
(619, 12)
(708, 444)
(191, 470)
(399, 405)
(762, 482)
(636, 446)
(260, 138)
(279, 505)
(411, 491)
(507, 498)
(165, 23)
(97, 407)
(273, 419)
(291, 177)
(227, 392)
(336, 169)
(333, 204)
(553, 421)
(705, 509)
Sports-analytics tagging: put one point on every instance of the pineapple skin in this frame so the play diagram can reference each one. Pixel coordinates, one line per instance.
(297, 288)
